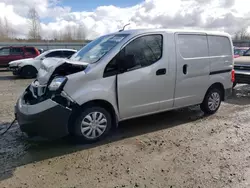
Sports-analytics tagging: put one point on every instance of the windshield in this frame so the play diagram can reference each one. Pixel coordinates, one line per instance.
(96, 49)
(239, 51)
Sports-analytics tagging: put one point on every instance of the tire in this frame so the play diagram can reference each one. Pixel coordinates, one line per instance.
(234, 84)
(31, 135)
(28, 72)
(212, 101)
(90, 133)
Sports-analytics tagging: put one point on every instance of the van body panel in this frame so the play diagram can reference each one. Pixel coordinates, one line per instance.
(221, 59)
(179, 75)
(90, 89)
(142, 91)
(192, 68)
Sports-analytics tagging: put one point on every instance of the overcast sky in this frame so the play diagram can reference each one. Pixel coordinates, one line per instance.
(104, 16)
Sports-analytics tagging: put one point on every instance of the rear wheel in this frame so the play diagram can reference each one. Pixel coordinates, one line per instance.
(93, 124)
(212, 101)
(28, 72)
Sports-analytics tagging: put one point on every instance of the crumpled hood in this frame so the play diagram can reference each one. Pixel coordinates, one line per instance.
(16, 62)
(58, 67)
(242, 60)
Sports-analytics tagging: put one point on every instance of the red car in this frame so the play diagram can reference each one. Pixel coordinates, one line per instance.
(8, 54)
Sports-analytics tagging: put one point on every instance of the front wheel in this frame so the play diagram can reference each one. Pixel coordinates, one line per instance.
(93, 124)
(212, 101)
(28, 72)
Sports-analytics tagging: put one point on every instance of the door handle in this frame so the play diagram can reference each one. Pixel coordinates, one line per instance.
(161, 72)
(184, 69)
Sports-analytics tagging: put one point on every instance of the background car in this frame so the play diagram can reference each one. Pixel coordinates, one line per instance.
(28, 68)
(239, 51)
(8, 54)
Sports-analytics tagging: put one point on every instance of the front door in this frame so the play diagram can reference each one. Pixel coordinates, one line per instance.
(193, 68)
(144, 87)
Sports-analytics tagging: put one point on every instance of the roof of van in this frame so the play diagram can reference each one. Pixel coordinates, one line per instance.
(141, 31)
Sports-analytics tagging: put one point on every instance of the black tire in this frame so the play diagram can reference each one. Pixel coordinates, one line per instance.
(31, 135)
(234, 84)
(28, 72)
(208, 109)
(80, 136)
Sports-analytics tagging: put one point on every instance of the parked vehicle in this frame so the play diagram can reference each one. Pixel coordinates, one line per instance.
(41, 50)
(239, 51)
(126, 75)
(242, 69)
(28, 68)
(8, 54)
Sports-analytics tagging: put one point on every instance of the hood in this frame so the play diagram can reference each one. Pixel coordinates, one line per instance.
(242, 60)
(21, 61)
(52, 67)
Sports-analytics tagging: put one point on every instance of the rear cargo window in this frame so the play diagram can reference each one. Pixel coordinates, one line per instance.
(30, 51)
(192, 46)
(219, 46)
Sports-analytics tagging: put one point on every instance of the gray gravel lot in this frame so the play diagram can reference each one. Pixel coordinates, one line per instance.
(176, 149)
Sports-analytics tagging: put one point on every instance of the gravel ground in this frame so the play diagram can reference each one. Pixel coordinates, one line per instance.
(176, 149)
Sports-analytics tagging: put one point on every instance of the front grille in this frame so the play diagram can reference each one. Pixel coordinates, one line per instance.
(241, 67)
(36, 93)
(242, 78)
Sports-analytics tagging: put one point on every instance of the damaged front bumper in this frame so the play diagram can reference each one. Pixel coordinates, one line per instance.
(47, 118)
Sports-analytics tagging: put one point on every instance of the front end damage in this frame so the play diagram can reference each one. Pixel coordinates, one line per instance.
(44, 111)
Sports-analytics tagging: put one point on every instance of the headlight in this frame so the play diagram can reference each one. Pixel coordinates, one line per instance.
(13, 64)
(57, 83)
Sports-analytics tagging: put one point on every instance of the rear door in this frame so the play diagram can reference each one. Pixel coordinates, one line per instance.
(4, 57)
(16, 53)
(57, 54)
(220, 51)
(221, 56)
(67, 54)
(192, 68)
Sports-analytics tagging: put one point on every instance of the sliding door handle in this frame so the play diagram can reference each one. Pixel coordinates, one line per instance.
(184, 69)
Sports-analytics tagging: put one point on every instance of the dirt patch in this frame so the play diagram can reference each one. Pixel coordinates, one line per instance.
(181, 148)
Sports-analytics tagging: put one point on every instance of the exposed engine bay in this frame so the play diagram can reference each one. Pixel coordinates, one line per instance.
(52, 68)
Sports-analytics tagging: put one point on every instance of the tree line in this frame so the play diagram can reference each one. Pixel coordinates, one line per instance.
(70, 33)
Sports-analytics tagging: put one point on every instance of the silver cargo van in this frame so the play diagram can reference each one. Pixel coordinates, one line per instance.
(125, 75)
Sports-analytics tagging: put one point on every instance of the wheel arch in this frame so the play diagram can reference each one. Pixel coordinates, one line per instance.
(76, 111)
(219, 86)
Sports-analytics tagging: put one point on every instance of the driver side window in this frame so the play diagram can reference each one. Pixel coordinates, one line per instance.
(146, 50)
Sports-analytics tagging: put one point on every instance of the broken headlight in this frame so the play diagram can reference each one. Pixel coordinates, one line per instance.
(57, 83)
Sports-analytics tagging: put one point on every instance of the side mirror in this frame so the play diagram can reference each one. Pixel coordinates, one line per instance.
(126, 63)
